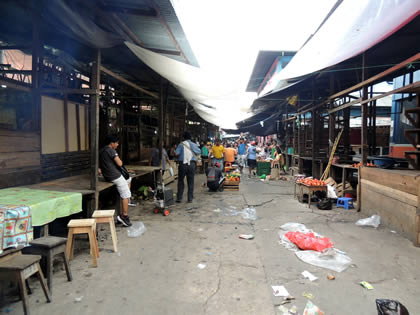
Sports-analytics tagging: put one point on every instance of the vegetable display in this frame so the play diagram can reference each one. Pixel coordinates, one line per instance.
(312, 182)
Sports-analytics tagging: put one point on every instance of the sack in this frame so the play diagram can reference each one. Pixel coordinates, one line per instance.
(124, 172)
(308, 241)
(325, 204)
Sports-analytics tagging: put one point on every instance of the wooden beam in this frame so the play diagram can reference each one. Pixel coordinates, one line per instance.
(377, 77)
(94, 126)
(341, 107)
(15, 47)
(133, 85)
(16, 85)
(69, 91)
(13, 71)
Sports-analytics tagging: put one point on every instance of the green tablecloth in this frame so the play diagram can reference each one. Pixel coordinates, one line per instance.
(45, 205)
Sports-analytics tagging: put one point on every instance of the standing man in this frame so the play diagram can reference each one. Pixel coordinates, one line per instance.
(242, 150)
(252, 158)
(230, 153)
(186, 153)
(110, 167)
(217, 153)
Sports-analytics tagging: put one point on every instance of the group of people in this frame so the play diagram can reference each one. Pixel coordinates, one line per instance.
(186, 153)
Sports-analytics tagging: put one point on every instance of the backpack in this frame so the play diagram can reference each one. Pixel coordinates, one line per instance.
(211, 177)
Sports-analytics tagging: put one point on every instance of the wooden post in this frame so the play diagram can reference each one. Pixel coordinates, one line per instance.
(364, 142)
(313, 131)
(346, 132)
(287, 137)
(94, 127)
(36, 95)
(161, 119)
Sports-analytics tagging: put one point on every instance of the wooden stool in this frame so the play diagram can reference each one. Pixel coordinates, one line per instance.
(48, 247)
(19, 268)
(107, 216)
(83, 226)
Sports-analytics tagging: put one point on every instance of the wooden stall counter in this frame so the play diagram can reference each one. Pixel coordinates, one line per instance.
(394, 195)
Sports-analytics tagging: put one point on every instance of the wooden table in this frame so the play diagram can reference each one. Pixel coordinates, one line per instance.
(310, 190)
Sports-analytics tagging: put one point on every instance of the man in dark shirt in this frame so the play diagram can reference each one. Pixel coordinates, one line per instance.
(110, 167)
(215, 178)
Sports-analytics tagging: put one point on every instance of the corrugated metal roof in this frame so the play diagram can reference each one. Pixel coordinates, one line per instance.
(263, 63)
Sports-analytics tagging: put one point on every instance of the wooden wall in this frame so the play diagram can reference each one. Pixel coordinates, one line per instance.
(59, 165)
(19, 158)
(393, 195)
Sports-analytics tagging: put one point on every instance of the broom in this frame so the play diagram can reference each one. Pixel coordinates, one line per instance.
(327, 170)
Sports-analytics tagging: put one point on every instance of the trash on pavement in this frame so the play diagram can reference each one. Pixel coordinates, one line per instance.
(366, 285)
(309, 275)
(136, 230)
(283, 310)
(279, 290)
(247, 213)
(201, 266)
(78, 299)
(308, 295)
(374, 221)
(308, 241)
(246, 236)
(293, 310)
(390, 307)
(330, 277)
(329, 259)
(312, 309)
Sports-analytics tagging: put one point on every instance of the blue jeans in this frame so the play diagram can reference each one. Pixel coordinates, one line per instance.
(188, 171)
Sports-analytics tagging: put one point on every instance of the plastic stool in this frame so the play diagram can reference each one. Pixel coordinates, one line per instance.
(345, 202)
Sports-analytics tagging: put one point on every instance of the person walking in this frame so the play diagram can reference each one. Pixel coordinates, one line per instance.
(252, 158)
(186, 153)
(242, 150)
(110, 166)
(217, 153)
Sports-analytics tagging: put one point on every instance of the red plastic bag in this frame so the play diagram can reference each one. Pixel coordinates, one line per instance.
(308, 241)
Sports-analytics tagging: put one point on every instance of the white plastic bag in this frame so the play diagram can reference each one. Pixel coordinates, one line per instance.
(374, 221)
(329, 259)
(249, 213)
(136, 230)
(171, 171)
(331, 193)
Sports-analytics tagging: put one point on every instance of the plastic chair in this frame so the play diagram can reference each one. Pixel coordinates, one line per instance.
(345, 202)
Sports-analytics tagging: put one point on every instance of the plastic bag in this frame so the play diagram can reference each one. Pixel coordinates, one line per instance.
(171, 171)
(312, 309)
(331, 193)
(374, 221)
(329, 259)
(136, 230)
(390, 307)
(308, 241)
(249, 213)
(325, 204)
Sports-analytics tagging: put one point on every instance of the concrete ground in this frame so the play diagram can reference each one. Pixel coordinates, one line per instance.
(158, 273)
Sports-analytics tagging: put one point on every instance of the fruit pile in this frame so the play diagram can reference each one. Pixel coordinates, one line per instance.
(360, 164)
(233, 177)
(312, 182)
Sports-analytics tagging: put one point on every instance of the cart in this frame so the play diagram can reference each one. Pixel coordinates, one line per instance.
(160, 198)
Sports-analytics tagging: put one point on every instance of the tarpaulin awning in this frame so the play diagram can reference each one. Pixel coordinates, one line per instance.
(354, 27)
(211, 96)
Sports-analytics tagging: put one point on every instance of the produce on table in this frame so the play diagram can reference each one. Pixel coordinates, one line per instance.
(312, 182)
(360, 164)
(234, 177)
